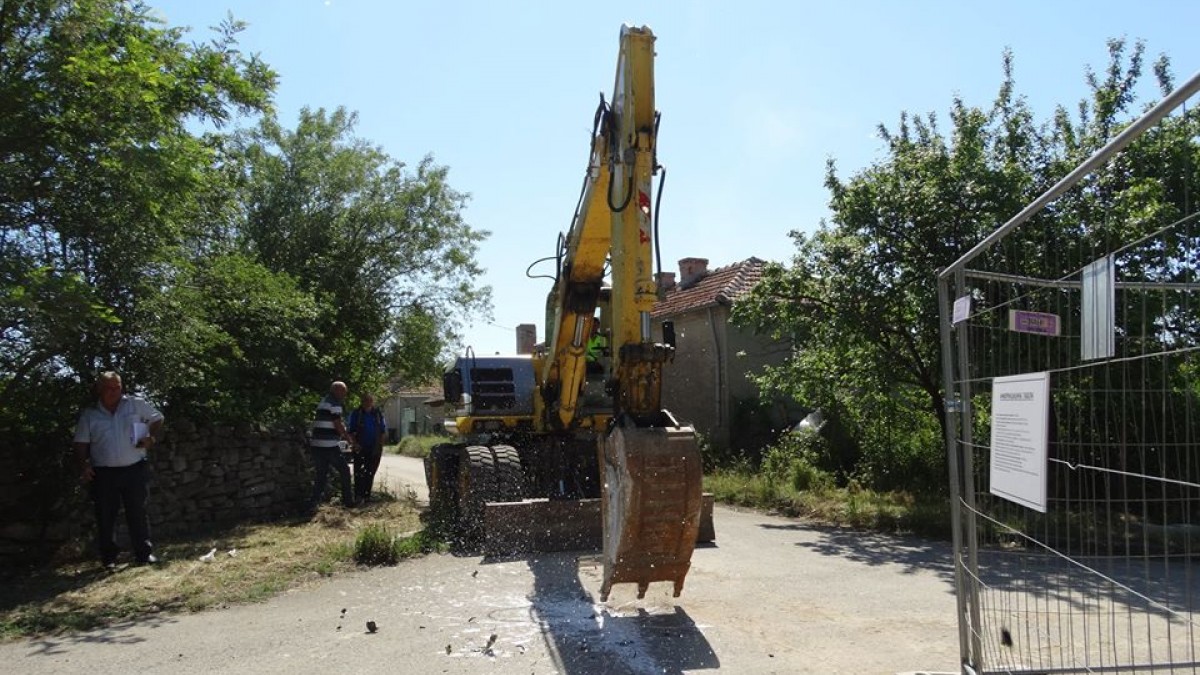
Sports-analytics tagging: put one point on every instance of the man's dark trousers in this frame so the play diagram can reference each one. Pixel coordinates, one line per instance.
(112, 488)
(322, 459)
(365, 466)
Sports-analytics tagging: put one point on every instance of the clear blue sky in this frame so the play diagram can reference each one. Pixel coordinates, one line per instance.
(755, 97)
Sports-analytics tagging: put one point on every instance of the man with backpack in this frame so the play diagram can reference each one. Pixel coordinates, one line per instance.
(368, 429)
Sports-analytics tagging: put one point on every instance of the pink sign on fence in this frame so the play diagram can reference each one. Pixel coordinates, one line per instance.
(1032, 322)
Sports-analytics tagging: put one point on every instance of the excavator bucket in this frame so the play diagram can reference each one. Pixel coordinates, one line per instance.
(651, 505)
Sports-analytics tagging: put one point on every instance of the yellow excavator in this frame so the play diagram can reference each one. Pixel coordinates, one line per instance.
(563, 449)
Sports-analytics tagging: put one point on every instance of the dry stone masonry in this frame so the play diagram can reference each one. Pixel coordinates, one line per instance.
(220, 475)
(201, 478)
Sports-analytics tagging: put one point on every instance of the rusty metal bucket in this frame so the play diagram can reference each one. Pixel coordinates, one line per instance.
(651, 505)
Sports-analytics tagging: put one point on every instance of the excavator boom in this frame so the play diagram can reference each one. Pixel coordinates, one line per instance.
(588, 435)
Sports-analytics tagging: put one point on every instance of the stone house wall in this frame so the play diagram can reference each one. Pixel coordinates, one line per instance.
(710, 372)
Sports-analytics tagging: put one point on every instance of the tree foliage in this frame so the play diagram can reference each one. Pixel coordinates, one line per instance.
(99, 173)
(228, 274)
(383, 250)
(859, 298)
(237, 334)
(100, 179)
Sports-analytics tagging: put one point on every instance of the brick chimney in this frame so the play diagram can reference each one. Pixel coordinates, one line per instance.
(692, 270)
(526, 337)
(666, 281)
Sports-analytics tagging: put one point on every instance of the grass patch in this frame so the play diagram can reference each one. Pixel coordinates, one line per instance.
(851, 506)
(421, 542)
(249, 563)
(377, 544)
(416, 446)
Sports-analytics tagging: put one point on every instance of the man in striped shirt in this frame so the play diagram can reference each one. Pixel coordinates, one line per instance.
(325, 445)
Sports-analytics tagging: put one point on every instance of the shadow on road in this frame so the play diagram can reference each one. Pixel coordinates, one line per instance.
(913, 554)
(588, 638)
(42, 599)
(35, 587)
(116, 633)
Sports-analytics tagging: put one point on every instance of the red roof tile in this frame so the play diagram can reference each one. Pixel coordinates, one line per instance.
(721, 286)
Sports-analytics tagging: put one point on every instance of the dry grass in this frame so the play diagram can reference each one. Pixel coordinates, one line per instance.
(250, 563)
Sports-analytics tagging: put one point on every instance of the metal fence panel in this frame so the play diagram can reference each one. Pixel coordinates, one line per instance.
(1105, 301)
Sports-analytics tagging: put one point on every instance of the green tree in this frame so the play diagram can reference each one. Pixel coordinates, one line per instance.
(859, 299)
(101, 184)
(384, 250)
(100, 174)
(238, 334)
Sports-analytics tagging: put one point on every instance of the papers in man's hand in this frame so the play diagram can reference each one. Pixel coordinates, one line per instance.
(139, 431)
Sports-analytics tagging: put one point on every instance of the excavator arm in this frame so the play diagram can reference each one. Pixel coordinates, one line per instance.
(638, 360)
(650, 464)
(612, 224)
(531, 460)
(576, 293)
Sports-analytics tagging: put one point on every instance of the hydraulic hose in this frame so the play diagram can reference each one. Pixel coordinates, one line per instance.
(662, 180)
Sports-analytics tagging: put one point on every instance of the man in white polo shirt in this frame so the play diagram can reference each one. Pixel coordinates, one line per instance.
(111, 440)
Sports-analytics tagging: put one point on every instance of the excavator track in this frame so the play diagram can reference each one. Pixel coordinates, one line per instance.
(514, 524)
(481, 492)
(651, 506)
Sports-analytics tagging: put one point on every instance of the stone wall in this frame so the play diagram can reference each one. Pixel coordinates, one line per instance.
(205, 477)
(200, 478)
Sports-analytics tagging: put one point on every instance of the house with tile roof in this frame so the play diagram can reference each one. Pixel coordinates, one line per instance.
(707, 385)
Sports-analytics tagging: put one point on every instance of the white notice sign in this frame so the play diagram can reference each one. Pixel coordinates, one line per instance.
(139, 431)
(1020, 407)
(962, 309)
(1098, 310)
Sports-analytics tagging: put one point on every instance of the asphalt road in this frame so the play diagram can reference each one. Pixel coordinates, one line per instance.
(772, 596)
(402, 474)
